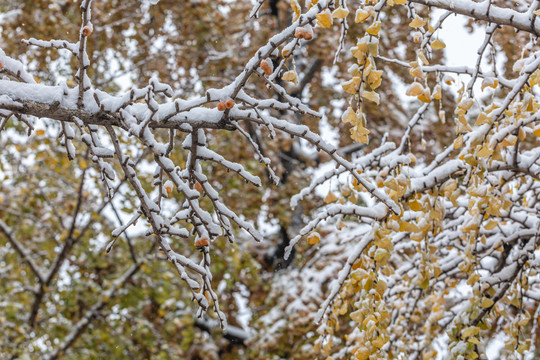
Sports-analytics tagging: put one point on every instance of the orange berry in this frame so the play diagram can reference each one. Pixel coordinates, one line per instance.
(1, 66)
(308, 32)
(229, 104)
(168, 186)
(221, 106)
(266, 67)
(299, 33)
(87, 31)
(200, 242)
(198, 187)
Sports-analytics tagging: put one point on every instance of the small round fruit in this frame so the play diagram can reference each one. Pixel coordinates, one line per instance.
(221, 106)
(168, 186)
(198, 187)
(87, 31)
(229, 104)
(266, 67)
(308, 32)
(200, 242)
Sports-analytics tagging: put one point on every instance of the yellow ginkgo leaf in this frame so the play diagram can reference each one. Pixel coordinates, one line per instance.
(374, 28)
(462, 124)
(313, 238)
(438, 45)
(359, 54)
(312, 3)
(380, 255)
(536, 132)
(374, 79)
(40, 132)
(291, 76)
(373, 47)
(415, 89)
(486, 303)
(400, 2)
(490, 225)
(358, 136)
(510, 140)
(340, 13)
(351, 86)
(349, 116)
(330, 198)
(463, 106)
(361, 130)
(296, 9)
(362, 45)
(448, 80)
(522, 134)
(471, 330)
(458, 142)
(437, 92)
(417, 22)
(417, 72)
(425, 96)
(489, 82)
(523, 322)
(324, 19)
(442, 116)
(422, 57)
(537, 12)
(363, 14)
(483, 119)
(473, 279)
(371, 96)
(354, 70)
(415, 205)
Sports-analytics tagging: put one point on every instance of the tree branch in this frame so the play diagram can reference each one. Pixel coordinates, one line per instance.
(487, 12)
(22, 252)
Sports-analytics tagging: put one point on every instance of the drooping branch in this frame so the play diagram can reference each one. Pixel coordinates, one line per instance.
(486, 11)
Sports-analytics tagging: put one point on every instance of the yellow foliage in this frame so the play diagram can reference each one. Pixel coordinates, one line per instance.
(296, 9)
(371, 96)
(486, 303)
(351, 86)
(374, 78)
(290, 76)
(340, 13)
(314, 238)
(438, 45)
(417, 22)
(363, 14)
(374, 28)
(324, 19)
